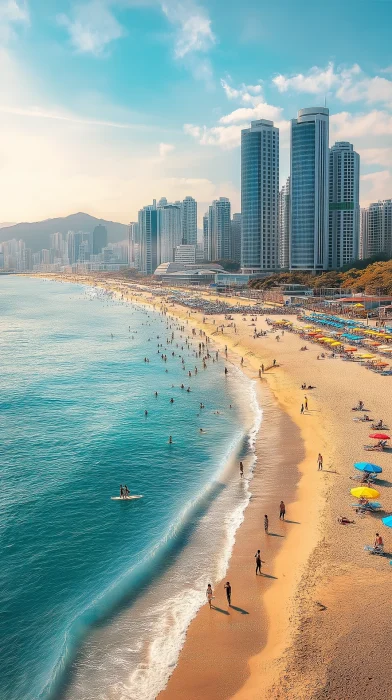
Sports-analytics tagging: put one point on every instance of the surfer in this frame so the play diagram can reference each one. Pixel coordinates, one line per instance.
(121, 491)
(126, 491)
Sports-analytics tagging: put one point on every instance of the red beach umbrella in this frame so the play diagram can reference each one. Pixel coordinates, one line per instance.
(379, 436)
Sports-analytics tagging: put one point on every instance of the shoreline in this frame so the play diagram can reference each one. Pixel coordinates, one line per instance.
(266, 648)
(311, 609)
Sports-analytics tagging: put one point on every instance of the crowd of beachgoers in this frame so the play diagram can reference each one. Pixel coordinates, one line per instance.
(350, 340)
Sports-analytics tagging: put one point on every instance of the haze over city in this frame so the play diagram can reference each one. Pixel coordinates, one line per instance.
(108, 104)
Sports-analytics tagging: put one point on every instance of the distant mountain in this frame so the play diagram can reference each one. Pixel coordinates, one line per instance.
(7, 223)
(36, 235)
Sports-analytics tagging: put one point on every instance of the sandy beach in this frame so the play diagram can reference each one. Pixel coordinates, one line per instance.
(304, 629)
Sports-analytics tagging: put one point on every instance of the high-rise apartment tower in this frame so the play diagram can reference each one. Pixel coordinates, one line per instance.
(259, 196)
(344, 211)
(309, 230)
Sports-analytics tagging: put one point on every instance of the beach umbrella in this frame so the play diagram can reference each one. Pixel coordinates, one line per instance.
(379, 436)
(350, 349)
(387, 521)
(364, 492)
(335, 343)
(359, 306)
(366, 356)
(368, 467)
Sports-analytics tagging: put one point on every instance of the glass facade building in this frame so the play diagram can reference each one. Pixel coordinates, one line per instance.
(148, 239)
(259, 196)
(309, 231)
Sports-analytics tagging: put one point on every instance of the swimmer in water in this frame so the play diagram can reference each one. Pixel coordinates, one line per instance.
(156, 394)
(170, 440)
(146, 413)
(241, 470)
(171, 400)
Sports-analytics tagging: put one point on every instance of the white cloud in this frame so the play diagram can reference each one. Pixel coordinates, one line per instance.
(245, 114)
(375, 186)
(91, 27)
(165, 149)
(11, 13)
(315, 82)
(248, 94)
(347, 84)
(377, 156)
(192, 130)
(346, 126)
(227, 133)
(193, 27)
(45, 113)
(370, 90)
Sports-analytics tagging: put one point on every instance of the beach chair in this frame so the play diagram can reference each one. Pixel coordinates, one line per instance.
(371, 507)
(375, 550)
(374, 448)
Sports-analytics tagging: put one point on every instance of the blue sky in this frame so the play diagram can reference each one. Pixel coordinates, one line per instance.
(106, 104)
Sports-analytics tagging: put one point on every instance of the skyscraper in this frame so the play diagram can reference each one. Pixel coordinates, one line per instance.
(259, 196)
(133, 243)
(169, 225)
(206, 235)
(219, 230)
(284, 225)
(74, 239)
(189, 221)
(148, 238)
(344, 212)
(376, 229)
(236, 238)
(309, 230)
(100, 239)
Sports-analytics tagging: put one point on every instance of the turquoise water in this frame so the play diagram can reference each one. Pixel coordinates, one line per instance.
(76, 567)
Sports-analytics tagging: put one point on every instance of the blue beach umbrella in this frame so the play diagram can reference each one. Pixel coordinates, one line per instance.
(367, 467)
(387, 521)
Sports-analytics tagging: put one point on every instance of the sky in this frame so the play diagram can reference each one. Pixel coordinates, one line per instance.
(107, 104)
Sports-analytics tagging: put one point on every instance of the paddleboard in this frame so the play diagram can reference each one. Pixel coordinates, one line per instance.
(127, 498)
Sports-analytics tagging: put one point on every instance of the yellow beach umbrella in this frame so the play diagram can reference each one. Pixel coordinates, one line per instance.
(359, 306)
(364, 492)
(366, 356)
(329, 340)
(335, 342)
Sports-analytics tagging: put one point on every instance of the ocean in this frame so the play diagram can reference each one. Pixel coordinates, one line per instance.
(96, 595)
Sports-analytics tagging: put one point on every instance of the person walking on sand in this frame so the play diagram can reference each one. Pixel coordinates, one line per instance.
(209, 594)
(258, 562)
(282, 510)
(227, 588)
(241, 470)
(306, 403)
(320, 461)
(302, 408)
(266, 524)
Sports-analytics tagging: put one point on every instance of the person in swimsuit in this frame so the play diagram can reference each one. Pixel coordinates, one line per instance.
(121, 491)
(282, 510)
(241, 470)
(266, 524)
(227, 588)
(209, 594)
(258, 562)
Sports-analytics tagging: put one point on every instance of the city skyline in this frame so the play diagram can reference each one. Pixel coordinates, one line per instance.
(78, 132)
